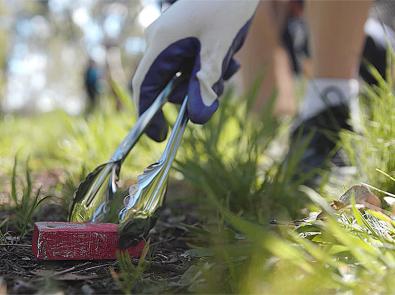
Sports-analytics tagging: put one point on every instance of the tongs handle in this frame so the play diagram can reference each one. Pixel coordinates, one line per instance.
(176, 134)
(146, 197)
(133, 136)
(172, 146)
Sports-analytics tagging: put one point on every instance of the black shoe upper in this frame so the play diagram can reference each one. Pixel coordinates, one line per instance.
(315, 139)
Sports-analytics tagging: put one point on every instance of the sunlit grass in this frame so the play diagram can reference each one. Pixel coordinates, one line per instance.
(374, 146)
(230, 158)
(351, 250)
(242, 187)
(24, 200)
(58, 140)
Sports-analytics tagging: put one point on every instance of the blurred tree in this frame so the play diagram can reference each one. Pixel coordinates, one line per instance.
(44, 45)
(4, 31)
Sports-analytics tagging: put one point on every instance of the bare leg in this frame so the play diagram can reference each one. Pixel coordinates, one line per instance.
(337, 35)
(263, 57)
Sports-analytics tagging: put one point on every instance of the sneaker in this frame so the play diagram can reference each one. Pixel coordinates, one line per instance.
(313, 144)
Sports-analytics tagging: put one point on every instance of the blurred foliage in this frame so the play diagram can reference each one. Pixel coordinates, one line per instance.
(129, 274)
(230, 158)
(59, 140)
(373, 146)
(4, 36)
(350, 251)
(242, 186)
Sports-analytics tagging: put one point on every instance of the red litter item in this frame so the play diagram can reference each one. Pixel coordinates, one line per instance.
(78, 241)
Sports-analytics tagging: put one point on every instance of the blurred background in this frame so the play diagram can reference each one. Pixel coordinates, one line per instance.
(47, 46)
(62, 54)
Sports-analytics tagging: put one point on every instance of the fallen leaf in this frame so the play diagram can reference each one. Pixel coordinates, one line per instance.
(337, 205)
(362, 195)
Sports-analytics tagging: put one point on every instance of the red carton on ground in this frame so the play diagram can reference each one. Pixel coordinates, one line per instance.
(78, 241)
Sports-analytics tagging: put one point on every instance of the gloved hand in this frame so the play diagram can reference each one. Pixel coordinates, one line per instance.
(196, 39)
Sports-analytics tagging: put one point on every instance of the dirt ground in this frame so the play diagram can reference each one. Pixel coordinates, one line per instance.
(168, 260)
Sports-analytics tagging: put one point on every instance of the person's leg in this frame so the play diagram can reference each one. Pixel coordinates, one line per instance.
(337, 35)
(263, 57)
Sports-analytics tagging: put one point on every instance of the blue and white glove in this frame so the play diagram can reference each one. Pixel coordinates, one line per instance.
(197, 39)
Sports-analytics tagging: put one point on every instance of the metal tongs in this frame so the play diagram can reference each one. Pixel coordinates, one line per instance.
(145, 197)
(94, 195)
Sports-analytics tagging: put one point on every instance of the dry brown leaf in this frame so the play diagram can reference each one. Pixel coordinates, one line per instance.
(362, 195)
(337, 205)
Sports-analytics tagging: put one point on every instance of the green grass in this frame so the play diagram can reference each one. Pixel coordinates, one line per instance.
(129, 274)
(24, 202)
(57, 140)
(374, 146)
(241, 186)
(348, 251)
(230, 159)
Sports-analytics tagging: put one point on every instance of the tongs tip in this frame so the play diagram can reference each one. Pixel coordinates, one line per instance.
(134, 231)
